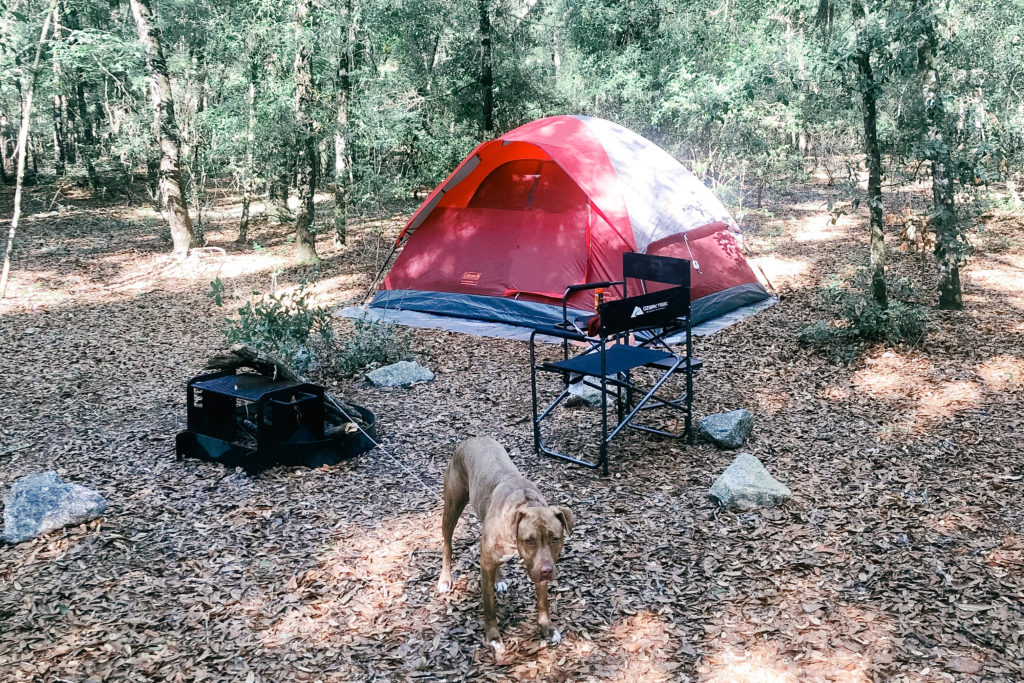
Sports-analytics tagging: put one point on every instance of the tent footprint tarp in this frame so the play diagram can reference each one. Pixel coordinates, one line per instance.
(555, 203)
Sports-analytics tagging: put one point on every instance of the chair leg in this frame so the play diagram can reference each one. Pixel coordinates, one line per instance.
(640, 406)
(603, 451)
(689, 411)
(533, 394)
(689, 382)
(538, 440)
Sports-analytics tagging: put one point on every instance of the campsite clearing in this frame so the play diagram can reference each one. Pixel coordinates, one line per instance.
(900, 556)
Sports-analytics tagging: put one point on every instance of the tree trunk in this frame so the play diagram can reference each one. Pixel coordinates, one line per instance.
(3, 155)
(26, 123)
(196, 164)
(306, 159)
(87, 145)
(869, 97)
(342, 175)
(59, 148)
(33, 150)
(153, 176)
(250, 140)
(277, 197)
(170, 147)
(86, 139)
(556, 55)
(59, 118)
(949, 243)
(486, 72)
(69, 131)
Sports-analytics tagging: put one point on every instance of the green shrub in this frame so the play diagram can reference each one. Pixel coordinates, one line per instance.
(371, 343)
(217, 292)
(282, 324)
(858, 319)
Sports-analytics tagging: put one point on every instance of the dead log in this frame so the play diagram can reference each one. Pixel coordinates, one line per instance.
(340, 415)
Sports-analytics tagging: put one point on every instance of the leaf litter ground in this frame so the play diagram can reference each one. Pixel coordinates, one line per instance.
(900, 557)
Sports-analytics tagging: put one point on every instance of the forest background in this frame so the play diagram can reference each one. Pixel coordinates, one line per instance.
(378, 101)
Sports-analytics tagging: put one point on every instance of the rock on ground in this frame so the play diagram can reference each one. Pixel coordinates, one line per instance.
(727, 430)
(400, 374)
(584, 395)
(746, 484)
(40, 503)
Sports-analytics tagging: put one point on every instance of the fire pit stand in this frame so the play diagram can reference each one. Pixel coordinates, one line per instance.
(254, 421)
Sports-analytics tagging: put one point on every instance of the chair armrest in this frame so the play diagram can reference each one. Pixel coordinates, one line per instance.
(559, 333)
(590, 285)
(571, 289)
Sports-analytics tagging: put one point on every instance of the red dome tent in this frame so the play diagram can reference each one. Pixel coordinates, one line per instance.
(554, 203)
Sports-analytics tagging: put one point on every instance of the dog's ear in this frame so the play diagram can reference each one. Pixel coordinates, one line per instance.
(515, 523)
(565, 514)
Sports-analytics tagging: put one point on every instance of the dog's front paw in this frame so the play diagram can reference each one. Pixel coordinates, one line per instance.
(501, 587)
(444, 584)
(548, 631)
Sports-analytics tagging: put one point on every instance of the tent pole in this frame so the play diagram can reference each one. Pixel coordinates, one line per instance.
(376, 278)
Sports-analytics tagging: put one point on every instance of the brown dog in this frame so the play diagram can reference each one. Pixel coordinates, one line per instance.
(515, 518)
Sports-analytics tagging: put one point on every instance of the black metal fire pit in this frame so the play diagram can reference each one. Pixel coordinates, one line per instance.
(254, 421)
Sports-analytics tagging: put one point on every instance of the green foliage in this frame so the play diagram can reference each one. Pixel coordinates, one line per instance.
(371, 343)
(751, 94)
(217, 292)
(282, 324)
(859, 320)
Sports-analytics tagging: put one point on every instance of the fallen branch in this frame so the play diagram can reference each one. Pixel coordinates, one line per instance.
(339, 414)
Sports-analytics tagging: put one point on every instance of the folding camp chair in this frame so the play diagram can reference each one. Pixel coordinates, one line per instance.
(627, 335)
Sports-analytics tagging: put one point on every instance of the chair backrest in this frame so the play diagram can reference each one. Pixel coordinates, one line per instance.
(655, 310)
(648, 268)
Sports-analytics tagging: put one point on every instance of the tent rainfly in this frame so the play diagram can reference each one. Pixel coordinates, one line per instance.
(555, 203)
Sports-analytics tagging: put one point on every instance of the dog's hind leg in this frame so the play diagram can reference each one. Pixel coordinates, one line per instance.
(456, 495)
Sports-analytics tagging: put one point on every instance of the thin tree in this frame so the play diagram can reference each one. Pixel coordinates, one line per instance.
(168, 135)
(26, 121)
(486, 72)
(949, 246)
(342, 172)
(868, 87)
(59, 106)
(87, 140)
(248, 181)
(306, 147)
(3, 150)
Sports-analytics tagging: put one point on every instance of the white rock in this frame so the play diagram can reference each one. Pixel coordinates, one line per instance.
(40, 503)
(400, 374)
(746, 484)
(727, 430)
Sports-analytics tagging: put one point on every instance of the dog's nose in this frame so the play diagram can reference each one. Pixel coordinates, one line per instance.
(547, 571)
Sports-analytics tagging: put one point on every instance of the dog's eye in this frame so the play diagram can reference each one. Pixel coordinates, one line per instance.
(531, 540)
(556, 539)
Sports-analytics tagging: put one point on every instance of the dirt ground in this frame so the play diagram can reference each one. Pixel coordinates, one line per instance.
(899, 558)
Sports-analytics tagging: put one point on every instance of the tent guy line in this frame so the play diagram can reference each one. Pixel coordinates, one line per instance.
(398, 462)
